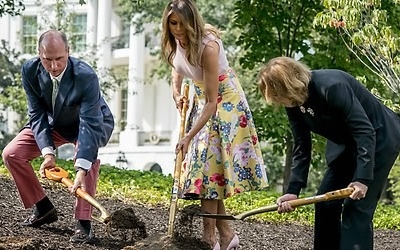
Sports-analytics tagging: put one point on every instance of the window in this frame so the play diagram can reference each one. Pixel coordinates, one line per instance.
(124, 107)
(78, 37)
(29, 34)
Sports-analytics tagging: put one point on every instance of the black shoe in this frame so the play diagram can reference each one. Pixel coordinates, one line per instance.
(37, 220)
(82, 234)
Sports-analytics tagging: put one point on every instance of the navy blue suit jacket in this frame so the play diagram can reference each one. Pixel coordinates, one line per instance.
(80, 115)
(343, 111)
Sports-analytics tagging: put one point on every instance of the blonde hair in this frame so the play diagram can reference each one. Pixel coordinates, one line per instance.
(284, 81)
(195, 27)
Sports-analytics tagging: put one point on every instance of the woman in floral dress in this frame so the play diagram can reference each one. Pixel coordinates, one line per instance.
(221, 148)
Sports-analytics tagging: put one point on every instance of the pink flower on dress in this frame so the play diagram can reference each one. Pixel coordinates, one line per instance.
(228, 149)
(219, 179)
(243, 121)
(197, 183)
(254, 139)
(243, 152)
(184, 165)
(222, 77)
(219, 99)
(237, 191)
(215, 148)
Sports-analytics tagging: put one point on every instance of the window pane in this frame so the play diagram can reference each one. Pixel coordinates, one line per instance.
(78, 37)
(124, 104)
(29, 34)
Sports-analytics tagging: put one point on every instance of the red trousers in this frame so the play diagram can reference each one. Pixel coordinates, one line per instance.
(17, 156)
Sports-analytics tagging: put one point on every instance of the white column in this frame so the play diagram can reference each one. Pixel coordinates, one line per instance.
(103, 34)
(5, 30)
(91, 36)
(15, 31)
(130, 137)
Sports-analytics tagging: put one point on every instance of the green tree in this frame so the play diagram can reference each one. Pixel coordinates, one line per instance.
(10, 85)
(279, 28)
(15, 7)
(11, 7)
(369, 29)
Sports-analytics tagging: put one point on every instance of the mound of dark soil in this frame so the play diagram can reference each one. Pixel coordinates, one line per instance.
(135, 226)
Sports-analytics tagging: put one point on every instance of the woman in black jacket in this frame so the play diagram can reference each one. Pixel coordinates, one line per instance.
(363, 142)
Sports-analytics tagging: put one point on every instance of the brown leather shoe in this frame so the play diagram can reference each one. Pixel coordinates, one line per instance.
(36, 220)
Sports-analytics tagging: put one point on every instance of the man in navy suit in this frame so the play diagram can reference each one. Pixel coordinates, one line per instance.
(363, 142)
(65, 105)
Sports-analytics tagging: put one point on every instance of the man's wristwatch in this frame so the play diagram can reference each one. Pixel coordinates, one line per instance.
(80, 168)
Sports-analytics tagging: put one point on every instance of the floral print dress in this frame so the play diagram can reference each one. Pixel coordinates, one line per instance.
(224, 158)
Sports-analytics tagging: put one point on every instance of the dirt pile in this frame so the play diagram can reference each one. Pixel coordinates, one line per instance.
(183, 231)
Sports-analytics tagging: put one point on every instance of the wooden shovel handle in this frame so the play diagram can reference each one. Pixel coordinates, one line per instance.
(333, 195)
(182, 127)
(178, 165)
(79, 191)
(104, 214)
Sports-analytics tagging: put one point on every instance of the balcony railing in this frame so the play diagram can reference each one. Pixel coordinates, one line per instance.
(120, 42)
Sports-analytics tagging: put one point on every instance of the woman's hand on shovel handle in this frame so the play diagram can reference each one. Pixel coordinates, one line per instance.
(79, 182)
(360, 190)
(180, 101)
(283, 205)
(183, 145)
(49, 162)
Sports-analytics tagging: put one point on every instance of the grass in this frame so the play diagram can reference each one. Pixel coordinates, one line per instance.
(154, 189)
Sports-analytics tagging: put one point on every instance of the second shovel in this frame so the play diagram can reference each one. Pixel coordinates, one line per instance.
(332, 195)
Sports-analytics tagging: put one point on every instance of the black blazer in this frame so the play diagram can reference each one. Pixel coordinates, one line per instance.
(80, 115)
(342, 110)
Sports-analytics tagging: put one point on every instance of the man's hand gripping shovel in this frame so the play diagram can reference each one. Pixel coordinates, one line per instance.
(58, 174)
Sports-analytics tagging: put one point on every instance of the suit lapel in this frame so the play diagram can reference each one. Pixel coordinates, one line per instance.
(46, 85)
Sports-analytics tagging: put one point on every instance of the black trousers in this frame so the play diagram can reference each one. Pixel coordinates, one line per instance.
(346, 224)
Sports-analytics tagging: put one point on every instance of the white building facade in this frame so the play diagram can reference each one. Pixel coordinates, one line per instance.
(146, 120)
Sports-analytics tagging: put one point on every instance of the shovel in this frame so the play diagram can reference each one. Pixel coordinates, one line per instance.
(177, 170)
(332, 195)
(58, 174)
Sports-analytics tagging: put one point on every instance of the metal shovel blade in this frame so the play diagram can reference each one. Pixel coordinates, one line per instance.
(56, 174)
(332, 195)
(241, 216)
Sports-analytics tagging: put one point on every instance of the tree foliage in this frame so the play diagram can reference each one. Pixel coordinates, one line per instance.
(16, 7)
(369, 29)
(279, 28)
(11, 62)
(11, 7)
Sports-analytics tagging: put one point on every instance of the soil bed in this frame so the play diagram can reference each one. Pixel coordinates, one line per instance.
(146, 229)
